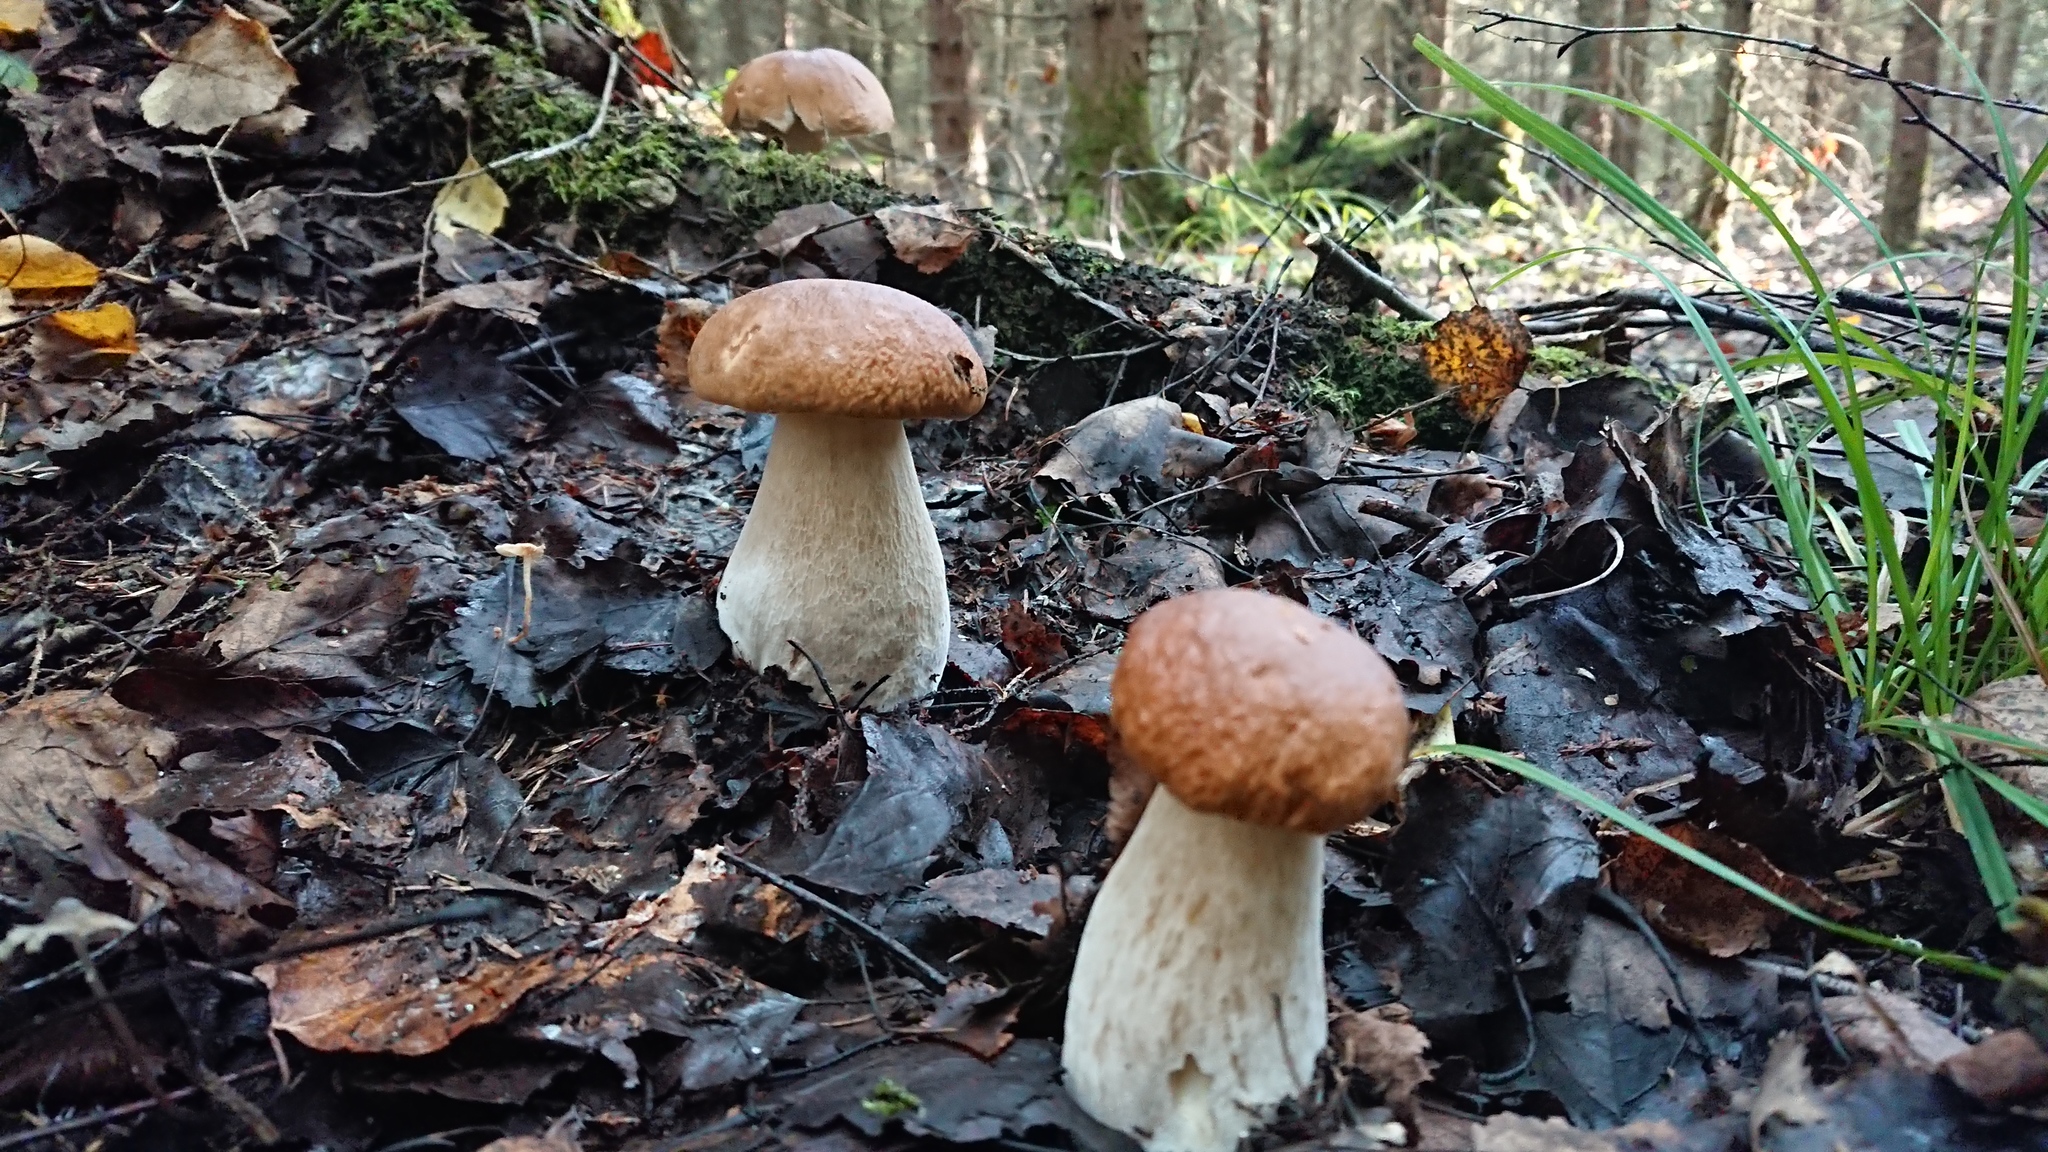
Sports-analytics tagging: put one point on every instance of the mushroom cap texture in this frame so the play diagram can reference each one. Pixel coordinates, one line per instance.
(824, 89)
(1251, 706)
(838, 348)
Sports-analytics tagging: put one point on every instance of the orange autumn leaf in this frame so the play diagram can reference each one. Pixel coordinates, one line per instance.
(31, 264)
(1477, 356)
(653, 50)
(109, 326)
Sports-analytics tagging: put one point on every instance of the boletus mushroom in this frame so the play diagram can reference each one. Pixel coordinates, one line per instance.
(804, 96)
(838, 569)
(1197, 997)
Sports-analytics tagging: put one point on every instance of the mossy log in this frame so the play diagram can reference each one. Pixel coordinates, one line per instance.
(1458, 158)
(678, 184)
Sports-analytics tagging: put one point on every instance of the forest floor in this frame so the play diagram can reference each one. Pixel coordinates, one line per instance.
(324, 824)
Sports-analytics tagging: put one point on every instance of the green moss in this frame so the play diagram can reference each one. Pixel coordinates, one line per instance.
(388, 23)
(1359, 372)
(627, 179)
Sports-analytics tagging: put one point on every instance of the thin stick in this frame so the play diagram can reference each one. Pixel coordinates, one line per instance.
(927, 975)
(220, 189)
(109, 1115)
(1375, 285)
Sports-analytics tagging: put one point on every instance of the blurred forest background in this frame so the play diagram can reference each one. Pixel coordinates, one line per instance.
(1209, 134)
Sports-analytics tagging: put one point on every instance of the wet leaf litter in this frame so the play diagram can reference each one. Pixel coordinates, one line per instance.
(374, 767)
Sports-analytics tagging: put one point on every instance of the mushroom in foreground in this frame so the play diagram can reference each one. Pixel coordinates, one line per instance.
(838, 557)
(1197, 997)
(805, 96)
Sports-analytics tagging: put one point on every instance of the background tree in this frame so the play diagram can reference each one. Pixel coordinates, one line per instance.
(1710, 204)
(1905, 180)
(960, 150)
(1109, 111)
(1263, 110)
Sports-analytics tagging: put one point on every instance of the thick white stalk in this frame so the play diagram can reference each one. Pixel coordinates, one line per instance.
(839, 556)
(1197, 998)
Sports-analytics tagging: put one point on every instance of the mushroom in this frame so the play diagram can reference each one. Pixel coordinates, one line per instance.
(1197, 997)
(838, 570)
(526, 553)
(804, 96)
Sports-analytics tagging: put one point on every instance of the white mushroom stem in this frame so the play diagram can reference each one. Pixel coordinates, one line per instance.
(839, 556)
(1197, 998)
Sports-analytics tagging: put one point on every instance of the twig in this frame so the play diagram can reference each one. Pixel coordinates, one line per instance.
(109, 1115)
(140, 1060)
(1414, 519)
(1365, 279)
(319, 23)
(927, 975)
(220, 189)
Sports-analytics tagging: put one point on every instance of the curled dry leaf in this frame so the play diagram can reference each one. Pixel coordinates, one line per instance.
(1478, 356)
(929, 238)
(681, 320)
(1695, 908)
(390, 996)
(84, 345)
(2016, 707)
(474, 201)
(62, 752)
(228, 71)
(2004, 1068)
(33, 266)
(1388, 1048)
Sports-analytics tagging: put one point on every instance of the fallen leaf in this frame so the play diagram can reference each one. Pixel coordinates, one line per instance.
(1023, 900)
(2016, 707)
(928, 238)
(516, 300)
(1029, 642)
(84, 345)
(658, 66)
(1479, 356)
(1785, 1092)
(126, 846)
(1384, 1045)
(228, 71)
(390, 996)
(320, 629)
(62, 752)
(473, 201)
(1692, 906)
(1890, 1027)
(32, 265)
(681, 320)
(20, 17)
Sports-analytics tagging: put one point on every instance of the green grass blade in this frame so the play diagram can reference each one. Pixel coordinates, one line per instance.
(1584, 799)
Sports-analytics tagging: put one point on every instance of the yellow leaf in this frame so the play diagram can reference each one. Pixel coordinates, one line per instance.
(109, 326)
(618, 14)
(475, 201)
(88, 343)
(225, 72)
(20, 17)
(1479, 356)
(31, 264)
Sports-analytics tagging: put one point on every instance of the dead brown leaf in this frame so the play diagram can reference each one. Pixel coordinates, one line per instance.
(1785, 1093)
(2006, 1067)
(2016, 707)
(1388, 1048)
(1691, 906)
(516, 300)
(929, 238)
(1029, 642)
(681, 320)
(125, 846)
(20, 17)
(63, 752)
(1891, 1028)
(394, 996)
(1478, 356)
(321, 628)
(227, 71)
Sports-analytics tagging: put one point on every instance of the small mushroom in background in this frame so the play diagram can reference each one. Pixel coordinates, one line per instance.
(1197, 998)
(838, 563)
(802, 97)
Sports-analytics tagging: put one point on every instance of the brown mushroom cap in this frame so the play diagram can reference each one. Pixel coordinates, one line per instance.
(821, 89)
(839, 348)
(1250, 706)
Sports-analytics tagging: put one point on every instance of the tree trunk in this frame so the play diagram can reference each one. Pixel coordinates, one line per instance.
(788, 25)
(672, 19)
(1109, 111)
(1905, 178)
(1297, 78)
(739, 35)
(1821, 83)
(1710, 205)
(1205, 137)
(956, 123)
(1629, 68)
(1592, 69)
(1262, 83)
